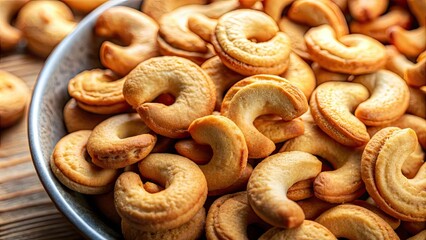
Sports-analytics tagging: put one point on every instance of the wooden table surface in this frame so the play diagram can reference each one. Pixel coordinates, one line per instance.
(26, 211)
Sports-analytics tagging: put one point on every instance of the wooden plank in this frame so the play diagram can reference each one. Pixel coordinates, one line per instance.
(26, 211)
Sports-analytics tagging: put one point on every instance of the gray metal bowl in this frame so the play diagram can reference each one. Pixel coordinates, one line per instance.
(77, 52)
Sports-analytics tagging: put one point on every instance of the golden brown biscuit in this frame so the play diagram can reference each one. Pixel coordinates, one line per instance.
(44, 24)
(185, 191)
(332, 104)
(300, 74)
(9, 35)
(14, 95)
(322, 75)
(269, 182)
(381, 165)
(140, 38)
(277, 129)
(202, 25)
(191, 86)
(318, 12)
(393, 222)
(264, 94)
(198, 153)
(418, 9)
(247, 51)
(157, 8)
(191, 230)
(72, 167)
(229, 217)
(406, 121)
(417, 103)
(352, 54)
(229, 150)
(98, 91)
(396, 62)
(376, 29)
(239, 185)
(409, 42)
(364, 11)
(307, 230)
(416, 75)
(313, 207)
(388, 101)
(355, 222)
(274, 8)
(222, 77)
(76, 118)
(175, 37)
(120, 141)
(296, 32)
(344, 183)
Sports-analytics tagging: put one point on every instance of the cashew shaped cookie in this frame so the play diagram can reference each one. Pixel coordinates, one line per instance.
(156, 8)
(98, 91)
(191, 230)
(140, 37)
(260, 95)
(247, 51)
(344, 184)
(318, 12)
(269, 182)
(192, 87)
(406, 121)
(278, 130)
(416, 75)
(313, 207)
(184, 194)
(393, 222)
(229, 150)
(274, 8)
(176, 39)
(76, 118)
(300, 74)
(44, 24)
(322, 75)
(397, 62)
(229, 217)
(365, 11)
(352, 54)
(198, 153)
(381, 165)
(409, 42)
(388, 101)
(120, 141)
(332, 106)
(376, 29)
(222, 77)
(307, 230)
(14, 95)
(9, 35)
(296, 32)
(355, 222)
(71, 165)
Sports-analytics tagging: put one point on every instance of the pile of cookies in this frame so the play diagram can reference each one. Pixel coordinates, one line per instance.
(281, 119)
(40, 26)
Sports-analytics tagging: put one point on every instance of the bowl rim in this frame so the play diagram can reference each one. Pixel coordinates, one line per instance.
(33, 131)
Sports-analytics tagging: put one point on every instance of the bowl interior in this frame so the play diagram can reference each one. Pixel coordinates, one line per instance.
(77, 52)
